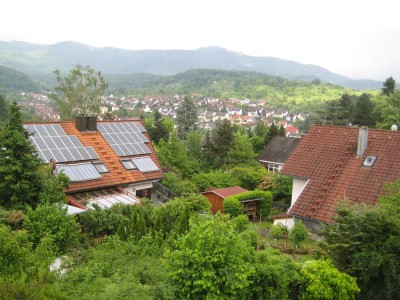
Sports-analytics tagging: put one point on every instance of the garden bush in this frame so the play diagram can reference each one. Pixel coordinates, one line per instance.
(278, 231)
(233, 207)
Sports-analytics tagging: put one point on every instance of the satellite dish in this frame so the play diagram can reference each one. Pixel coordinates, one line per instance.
(394, 127)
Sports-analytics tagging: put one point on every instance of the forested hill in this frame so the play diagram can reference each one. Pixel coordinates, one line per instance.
(292, 94)
(11, 79)
(33, 59)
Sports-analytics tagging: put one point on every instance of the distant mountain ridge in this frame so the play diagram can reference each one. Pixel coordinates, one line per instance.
(38, 59)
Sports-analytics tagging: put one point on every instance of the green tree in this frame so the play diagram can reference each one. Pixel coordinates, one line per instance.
(222, 141)
(364, 243)
(298, 233)
(321, 280)
(272, 131)
(278, 231)
(178, 185)
(186, 117)
(138, 225)
(193, 144)
(158, 129)
(339, 112)
(242, 151)
(389, 107)
(183, 225)
(50, 220)
(20, 183)
(281, 131)
(365, 112)
(275, 276)
(79, 92)
(259, 137)
(249, 176)
(216, 179)
(207, 152)
(173, 154)
(52, 186)
(209, 261)
(3, 110)
(14, 251)
(389, 86)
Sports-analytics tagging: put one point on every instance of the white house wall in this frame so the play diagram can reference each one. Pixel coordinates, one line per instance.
(298, 186)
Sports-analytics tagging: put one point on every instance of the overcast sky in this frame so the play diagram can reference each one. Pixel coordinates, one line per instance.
(359, 39)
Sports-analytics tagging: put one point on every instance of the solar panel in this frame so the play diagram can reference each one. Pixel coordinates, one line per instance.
(145, 164)
(125, 138)
(79, 172)
(51, 142)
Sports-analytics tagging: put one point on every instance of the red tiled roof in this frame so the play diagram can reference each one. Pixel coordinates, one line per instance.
(226, 192)
(118, 175)
(327, 157)
(291, 129)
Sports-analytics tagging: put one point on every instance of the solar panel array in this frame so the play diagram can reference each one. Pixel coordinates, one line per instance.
(79, 172)
(145, 164)
(52, 142)
(125, 138)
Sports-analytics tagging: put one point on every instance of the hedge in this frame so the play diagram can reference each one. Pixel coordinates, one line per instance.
(264, 207)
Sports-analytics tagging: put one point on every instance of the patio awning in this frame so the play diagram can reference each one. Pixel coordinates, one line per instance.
(104, 198)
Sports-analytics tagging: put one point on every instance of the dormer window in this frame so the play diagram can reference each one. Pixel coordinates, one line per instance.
(369, 161)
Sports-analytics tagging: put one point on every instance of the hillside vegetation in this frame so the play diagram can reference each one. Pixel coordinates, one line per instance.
(11, 79)
(295, 95)
(35, 59)
(279, 92)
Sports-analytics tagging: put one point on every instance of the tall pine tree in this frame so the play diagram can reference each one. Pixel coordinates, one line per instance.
(20, 182)
(186, 117)
(223, 139)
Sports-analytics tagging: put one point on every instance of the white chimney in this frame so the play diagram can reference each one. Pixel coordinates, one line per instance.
(362, 140)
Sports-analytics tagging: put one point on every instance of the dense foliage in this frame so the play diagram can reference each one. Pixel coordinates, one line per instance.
(364, 243)
(321, 280)
(210, 261)
(263, 206)
(23, 179)
(51, 221)
(232, 207)
(79, 92)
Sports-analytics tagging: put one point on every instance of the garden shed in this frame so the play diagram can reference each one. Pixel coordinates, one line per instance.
(216, 196)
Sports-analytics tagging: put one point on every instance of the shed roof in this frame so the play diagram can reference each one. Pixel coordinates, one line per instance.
(226, 192)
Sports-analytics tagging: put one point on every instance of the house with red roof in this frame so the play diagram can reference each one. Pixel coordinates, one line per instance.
(216, 196)
(291, 130)
(333, 163)
(107, 162)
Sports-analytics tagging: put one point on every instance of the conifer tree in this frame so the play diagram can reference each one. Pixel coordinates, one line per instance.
(272, 131)
(20, 183)
(183, 225)
(3, 110)
(207, 149)
(389, 86)
(138, 225)
(223, 140)
(158, 130)
(186, 117)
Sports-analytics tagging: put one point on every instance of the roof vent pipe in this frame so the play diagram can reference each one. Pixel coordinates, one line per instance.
(362, 140)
